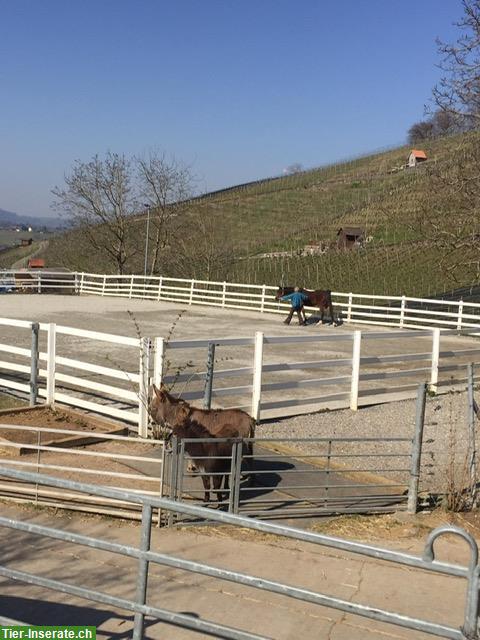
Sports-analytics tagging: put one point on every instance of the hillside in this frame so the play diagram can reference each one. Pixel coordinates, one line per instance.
(223, 235)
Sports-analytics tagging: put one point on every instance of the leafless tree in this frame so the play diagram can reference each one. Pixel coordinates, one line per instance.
(206, 252)
(100, 192)
(458, 91)
(166, 186)
(420, 131)
(103, 199)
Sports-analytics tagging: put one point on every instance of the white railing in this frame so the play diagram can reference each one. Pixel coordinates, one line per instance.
(276, 384)
(63, 378)
(400, 311)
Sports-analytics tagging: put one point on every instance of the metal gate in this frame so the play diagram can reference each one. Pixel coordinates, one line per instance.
(296, 477)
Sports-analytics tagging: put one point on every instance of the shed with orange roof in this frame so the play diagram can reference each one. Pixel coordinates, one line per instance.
(416, 156)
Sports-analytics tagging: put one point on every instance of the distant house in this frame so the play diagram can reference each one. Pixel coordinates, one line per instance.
(350, 237)
(416, 156)
(26, 242)
(36, 263)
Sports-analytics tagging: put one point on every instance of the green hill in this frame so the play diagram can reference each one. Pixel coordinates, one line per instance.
(222, 236)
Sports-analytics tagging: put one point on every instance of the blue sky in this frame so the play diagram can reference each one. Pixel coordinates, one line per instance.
(240, 89)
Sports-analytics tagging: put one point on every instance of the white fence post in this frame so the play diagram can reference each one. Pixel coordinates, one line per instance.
(460, 314)
(51, 351)
(158, 360)
(257, 375)
(357, 342)
(103, 284)
(402, 311)
(349, 308)
(143, 387)
(160, 288)
(224, 293)
(82, 278)
(130, 293)
(262, 306)
(191, 292)
(435, 360)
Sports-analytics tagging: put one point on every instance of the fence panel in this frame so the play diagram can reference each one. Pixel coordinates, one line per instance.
(147, 558)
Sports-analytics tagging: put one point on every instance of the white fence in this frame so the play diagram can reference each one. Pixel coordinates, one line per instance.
(84, 383)
(270, 382)
(400, 311)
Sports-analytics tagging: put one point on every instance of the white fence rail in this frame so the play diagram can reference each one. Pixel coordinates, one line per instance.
(63, 379)
(273, 383)
(401, 311)
(270, 382)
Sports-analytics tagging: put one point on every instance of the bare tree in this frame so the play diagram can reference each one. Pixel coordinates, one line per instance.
(458, 91)
(103, 198)
(166, 185)
(420, 131)
(100, 192)
(206, 251)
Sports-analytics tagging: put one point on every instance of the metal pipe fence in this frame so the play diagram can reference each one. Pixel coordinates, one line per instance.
(146, 558)
(115, 460)
(299, 476)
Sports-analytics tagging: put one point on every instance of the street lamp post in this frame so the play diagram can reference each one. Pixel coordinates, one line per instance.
(147, 207)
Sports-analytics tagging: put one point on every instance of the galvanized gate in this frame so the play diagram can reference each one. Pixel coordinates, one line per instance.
(296, 477)
(300, 477)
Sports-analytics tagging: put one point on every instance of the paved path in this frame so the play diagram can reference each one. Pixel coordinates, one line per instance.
(379, 584)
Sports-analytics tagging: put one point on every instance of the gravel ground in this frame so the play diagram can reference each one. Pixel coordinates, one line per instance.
(445, 439)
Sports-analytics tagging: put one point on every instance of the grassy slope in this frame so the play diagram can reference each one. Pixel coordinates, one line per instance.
(289, 212)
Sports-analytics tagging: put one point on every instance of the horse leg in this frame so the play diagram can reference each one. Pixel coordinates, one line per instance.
(206, 486)
(217, 486)
(322, 312)
(332, 320)
(289, 317)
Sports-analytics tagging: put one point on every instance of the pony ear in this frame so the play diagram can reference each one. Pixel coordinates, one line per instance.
(156, 390)
(182, 412)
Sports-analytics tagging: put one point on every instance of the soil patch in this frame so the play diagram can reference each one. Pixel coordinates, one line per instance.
(49, 418)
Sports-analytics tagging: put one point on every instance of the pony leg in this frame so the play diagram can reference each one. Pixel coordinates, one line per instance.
(206, 486)
(217, 486)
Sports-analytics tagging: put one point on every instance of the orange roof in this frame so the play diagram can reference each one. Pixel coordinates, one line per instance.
(419, 154)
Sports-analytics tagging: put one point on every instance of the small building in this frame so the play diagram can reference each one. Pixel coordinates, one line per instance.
(26, 242)
(416, 157)
(36, 263)
(350, 237)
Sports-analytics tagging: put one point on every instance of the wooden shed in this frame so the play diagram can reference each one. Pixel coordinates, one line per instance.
(350, 237)
(416, 157)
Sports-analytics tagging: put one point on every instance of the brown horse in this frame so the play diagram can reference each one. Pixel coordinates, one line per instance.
(212, 458)
(219, 423)
(317, 298)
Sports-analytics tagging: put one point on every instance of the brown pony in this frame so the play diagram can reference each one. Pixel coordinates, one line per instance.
(219, 423)
(210, 457)
(317, 298)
